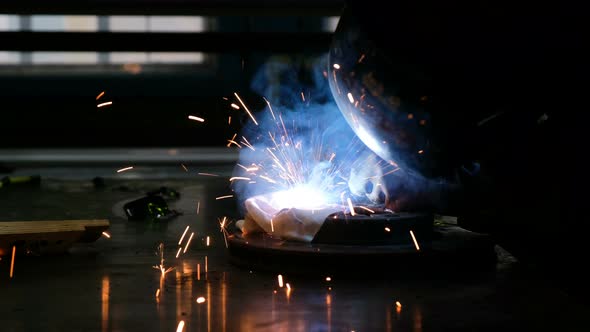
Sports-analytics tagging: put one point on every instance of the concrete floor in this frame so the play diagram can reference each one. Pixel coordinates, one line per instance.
(110, 285)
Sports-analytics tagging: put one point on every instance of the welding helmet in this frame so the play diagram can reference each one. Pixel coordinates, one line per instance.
(421, 82)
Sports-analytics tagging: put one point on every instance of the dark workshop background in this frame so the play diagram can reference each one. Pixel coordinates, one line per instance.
(157, 61)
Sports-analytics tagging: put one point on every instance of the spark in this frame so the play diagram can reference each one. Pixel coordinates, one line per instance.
(225, 98)
(350, 98)
(246, 143)
(12, 261)
(188, 242)
(183, 234)
(178, 252)
(206, 265)
(328, 279)
(366, 209)
(161, 266)
(158, 292)
(232, 140)
(108, 103)
(207, 174)
(100, 95)
(180, 326)
(420, 151)
(272, 226)
(268, 179)
(222, 225)
(246, 108)
(233, 178)
(415, 242)
(288, 286)
(336, 66)
(196, 118)
(361, 58)
(229, 120)
(387, 229)
(198, 206)
(302, 96)
(352, 213)
(234, 106)
(280, 278)
(124, 169)
(223, 197)
(184, 167)
(270, 108)
(208, 240)
(200, 299)
(107, 235)
(398, 304)
(198, 271)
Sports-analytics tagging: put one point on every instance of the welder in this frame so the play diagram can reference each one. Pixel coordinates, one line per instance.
(478, 103)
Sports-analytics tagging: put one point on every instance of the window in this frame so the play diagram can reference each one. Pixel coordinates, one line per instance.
(89, 23)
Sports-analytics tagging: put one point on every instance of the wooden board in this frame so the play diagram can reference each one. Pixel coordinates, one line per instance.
(48, 236)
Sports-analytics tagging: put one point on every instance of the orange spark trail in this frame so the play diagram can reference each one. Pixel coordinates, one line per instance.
(246, 108)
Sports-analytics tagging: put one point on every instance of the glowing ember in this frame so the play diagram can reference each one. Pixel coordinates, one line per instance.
(288, 286)
(398, 304)
(328, 279)
(208, 240)
(158, 292)
(12, 261)
(280, 278)
(336, 66)
(198, 271)
(414, 239)
(178, 252)
(107, 235)
(108, 103)
(234, 106)
(125, 169)
(183, 234)
(188, 242)
(196, 118)
(180, 327)
(387, 229)
(100, 95)
(200, 299)
(224, 197)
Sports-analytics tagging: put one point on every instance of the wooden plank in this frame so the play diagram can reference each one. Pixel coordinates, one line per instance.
(50, 236)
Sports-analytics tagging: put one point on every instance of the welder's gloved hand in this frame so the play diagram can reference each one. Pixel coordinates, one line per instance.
(263, 215)
(367, 180)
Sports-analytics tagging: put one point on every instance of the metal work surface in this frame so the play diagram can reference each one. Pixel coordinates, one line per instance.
(111, 285)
